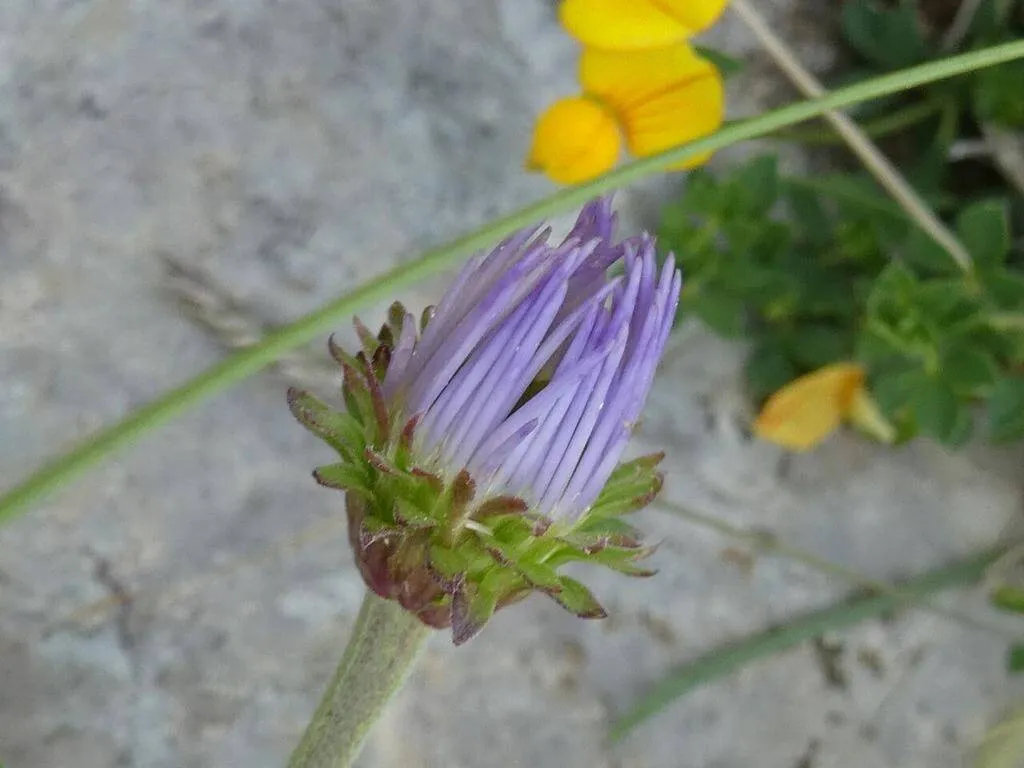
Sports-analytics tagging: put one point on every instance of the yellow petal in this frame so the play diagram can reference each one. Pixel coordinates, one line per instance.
(868, 418)
(575, 140)
(662, 97)
(637, 24)
(808, 409)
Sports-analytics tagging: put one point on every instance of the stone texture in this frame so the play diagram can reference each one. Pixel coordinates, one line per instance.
(183, 605)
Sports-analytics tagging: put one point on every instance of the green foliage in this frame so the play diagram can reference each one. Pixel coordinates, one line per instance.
(1006, 408)
(1015, 659)
(884, 36)
(1003, 744)
(888, 37)
(997, 97)
(818, 269)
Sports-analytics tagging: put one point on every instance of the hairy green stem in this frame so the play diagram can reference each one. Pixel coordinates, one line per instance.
(379, 656)
(238, 366)
(726, 659)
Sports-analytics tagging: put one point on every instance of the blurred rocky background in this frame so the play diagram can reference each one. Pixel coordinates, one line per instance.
(184, 605)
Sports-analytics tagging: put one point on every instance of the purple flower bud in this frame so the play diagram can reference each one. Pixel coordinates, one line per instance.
(526, 306)
(482, 451)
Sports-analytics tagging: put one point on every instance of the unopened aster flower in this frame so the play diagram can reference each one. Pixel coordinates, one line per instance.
(480, 448)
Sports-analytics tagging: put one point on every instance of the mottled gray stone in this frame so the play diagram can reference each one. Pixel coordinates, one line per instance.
(293, 150)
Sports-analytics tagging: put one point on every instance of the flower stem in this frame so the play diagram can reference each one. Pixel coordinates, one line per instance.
(384, 644)
(878, 128)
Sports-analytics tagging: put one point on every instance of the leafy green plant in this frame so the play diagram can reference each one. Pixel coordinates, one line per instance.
(883, 36)
(819, 269)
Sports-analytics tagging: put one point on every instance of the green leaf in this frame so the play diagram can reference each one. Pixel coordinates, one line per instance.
(809, 214)
(374, 529)
(757, 184)
(990, 21)
(577, 599)
(449, 563)
(963, 427)
(633, 477)
(812, 345)
(632, 486)
(856, 196)
(623, 559)
(722, 312)
(894, 387)
(928, 171)
(935, 407)
(609, 526)
(336, 428)
(727, 65)
(984, 228)
(880, 351)
(768, 368)
(472, 607)
(968, 368)
(1005, 287)
(894, 289)
(890, 38)
(1006, 408)
(828, 296)
(1007, 598)
(946, 301)
(343, 476)
(538, 574)
(997, 95)
(752, 281)
(927, 257)
(1015, 658)
(413, 515)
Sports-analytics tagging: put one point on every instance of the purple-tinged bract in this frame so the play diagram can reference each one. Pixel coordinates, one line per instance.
(480, 449)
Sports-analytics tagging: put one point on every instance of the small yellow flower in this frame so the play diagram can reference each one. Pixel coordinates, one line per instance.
(663, 97)
(807, 410)
(657, 99)
(629, 25)
(575, 139)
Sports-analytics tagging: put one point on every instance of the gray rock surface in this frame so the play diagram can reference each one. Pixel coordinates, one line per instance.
(184, 605)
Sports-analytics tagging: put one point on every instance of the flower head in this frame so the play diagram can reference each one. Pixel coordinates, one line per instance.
(480, 449)
(628, 25)
(655, 99)
(808, 409)
(576, 139)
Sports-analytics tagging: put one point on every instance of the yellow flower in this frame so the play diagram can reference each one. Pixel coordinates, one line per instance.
(663, 97)
(575, 139)
(656, 98)
(807, 410)
(628, 25)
